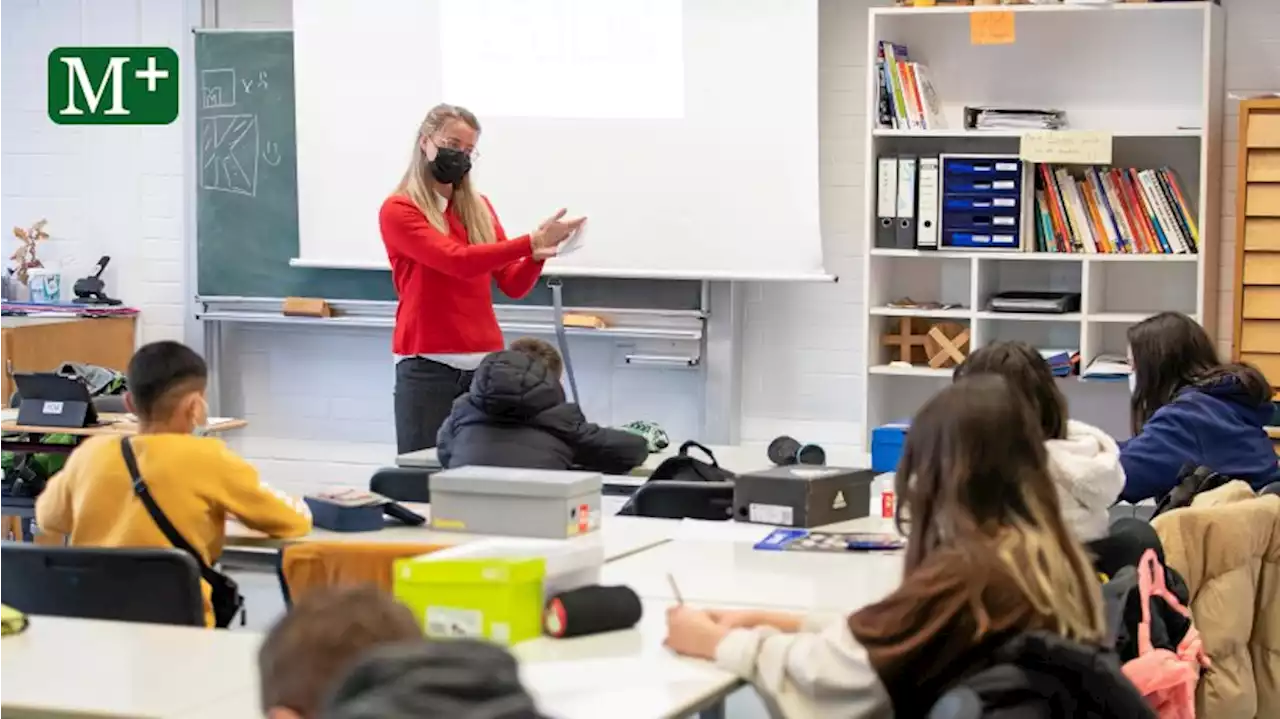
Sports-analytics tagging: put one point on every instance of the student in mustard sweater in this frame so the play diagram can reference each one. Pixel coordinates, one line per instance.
(988, 558)
(197, 481)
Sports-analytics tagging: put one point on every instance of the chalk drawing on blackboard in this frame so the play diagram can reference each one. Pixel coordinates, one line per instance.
(271, 153)
(229, 151)
(217, 88)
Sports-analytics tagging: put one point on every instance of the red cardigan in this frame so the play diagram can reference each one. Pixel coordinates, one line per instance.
(443, 281)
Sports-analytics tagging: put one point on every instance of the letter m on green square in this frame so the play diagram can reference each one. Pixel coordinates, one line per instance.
(113, 85)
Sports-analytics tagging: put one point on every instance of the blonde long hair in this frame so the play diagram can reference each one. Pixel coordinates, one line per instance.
(467, 202)
(974, 476)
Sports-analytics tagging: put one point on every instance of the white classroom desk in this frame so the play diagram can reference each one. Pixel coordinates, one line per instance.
(720, 567)
(86, 668)
(621, 536)
(75, 667)
(735, 458)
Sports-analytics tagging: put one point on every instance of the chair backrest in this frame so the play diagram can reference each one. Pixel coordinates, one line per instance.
(157, 586)
(403, 484)
(675, 499)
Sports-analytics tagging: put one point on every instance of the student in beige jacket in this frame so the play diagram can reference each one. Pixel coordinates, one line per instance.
(988, 558)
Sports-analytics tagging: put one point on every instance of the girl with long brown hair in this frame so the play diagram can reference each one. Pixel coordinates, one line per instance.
(988, 558)
(1084, 461)
(446, 248)
(1191, 408)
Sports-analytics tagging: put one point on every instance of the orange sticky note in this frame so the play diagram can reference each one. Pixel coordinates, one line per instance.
(992, 27)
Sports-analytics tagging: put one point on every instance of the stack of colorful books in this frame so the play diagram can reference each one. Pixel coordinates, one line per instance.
(1112, 210)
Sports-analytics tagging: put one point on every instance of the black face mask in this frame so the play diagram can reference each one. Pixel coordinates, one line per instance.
(450, 165)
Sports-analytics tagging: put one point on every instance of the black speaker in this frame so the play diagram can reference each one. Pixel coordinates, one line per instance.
(787, 450)
(591, 610)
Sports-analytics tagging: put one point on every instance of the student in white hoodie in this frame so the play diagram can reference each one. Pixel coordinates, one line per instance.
(988, 559)
(1084, 461)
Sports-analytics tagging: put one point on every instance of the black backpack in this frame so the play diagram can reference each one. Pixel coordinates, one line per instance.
(691, 469)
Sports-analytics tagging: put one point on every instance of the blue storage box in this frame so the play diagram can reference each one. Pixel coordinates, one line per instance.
(886, 445)
(347, 513)
(967, 239)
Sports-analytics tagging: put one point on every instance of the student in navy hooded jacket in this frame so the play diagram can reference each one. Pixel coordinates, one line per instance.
(1190, 408)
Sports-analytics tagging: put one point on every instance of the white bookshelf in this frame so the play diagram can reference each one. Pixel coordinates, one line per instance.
(1149, 74)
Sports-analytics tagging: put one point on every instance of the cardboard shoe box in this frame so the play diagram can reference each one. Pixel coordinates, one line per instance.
(550, 504)
(802, 496)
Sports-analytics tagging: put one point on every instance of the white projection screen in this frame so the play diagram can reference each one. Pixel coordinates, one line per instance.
(686, 131)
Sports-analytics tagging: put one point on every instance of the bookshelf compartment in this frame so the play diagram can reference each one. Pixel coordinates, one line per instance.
(995, 276)
(903, 339)
(924, 279)
(1046, 67)
(1062, 333)
(1140, 289)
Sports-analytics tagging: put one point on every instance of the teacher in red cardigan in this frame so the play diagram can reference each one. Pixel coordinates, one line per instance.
(445, 244)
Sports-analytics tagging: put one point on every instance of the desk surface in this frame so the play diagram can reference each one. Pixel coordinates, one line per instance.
(720, 568)
(736, 458)
(621, 536)
(137, 670)
(87, 668)
(111, 424)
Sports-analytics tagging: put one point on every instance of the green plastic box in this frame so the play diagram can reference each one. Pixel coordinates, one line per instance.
(499, 599)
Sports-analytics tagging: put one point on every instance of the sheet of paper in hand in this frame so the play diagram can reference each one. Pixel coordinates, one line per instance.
(573, 243)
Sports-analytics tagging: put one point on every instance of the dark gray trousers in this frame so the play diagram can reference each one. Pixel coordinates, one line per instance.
(425, 391)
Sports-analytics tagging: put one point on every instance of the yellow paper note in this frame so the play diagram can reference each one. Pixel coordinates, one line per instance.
(1066, 147)
(991, 27)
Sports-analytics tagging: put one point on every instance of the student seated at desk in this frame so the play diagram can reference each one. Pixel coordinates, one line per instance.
(311, 648)
(1084, 461)
(1188, 408)
(988, 559)
(515, 415)
(196, 481)
(444, 679)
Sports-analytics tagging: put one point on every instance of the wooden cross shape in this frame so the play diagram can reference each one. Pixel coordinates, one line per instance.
(946, 343)
(907, 339)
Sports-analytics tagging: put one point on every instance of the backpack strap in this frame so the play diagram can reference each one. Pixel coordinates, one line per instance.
(684, 452)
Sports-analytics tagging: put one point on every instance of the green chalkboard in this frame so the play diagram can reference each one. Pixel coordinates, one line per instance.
(247, 191)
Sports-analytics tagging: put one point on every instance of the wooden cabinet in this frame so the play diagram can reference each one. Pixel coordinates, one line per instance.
(1256, 336)
(41, 344)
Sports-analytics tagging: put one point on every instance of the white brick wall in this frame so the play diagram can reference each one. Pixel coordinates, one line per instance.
(319, 402)
(105, 190)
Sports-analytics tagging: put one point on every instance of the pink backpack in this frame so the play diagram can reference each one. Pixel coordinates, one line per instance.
(1167, 679)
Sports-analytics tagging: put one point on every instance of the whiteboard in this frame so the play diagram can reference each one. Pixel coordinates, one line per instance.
(686, 131)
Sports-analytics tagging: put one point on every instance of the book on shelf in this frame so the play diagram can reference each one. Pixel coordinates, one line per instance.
(1108, 368)
(906, 99)
(1013, 118)
(1062, 362)
(1112, 210)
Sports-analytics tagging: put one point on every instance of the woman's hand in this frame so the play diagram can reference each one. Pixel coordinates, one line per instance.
(693, 632)
(552, 233)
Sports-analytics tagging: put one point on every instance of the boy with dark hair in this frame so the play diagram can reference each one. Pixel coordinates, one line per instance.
(515, 415)
(445, 679)
(196, 481)
(542, 351)
(312, 647)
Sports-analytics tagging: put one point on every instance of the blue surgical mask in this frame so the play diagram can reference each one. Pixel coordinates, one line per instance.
(202, 429)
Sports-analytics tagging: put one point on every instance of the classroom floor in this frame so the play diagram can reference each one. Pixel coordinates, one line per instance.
(261, 592)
